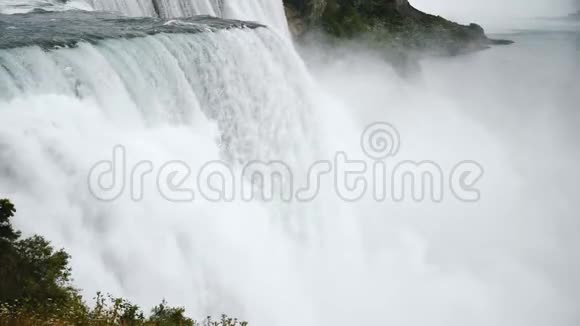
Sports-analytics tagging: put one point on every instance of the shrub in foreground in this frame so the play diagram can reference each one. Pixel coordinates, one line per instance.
(36, 289)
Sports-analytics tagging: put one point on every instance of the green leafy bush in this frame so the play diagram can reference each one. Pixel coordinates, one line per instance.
(36, 289)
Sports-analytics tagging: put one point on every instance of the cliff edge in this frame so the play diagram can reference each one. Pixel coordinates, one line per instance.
(392, 23)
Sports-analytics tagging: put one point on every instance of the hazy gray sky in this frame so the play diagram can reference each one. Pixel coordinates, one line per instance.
(495, 9)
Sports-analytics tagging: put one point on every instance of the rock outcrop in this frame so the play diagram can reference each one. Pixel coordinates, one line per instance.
(393, 23)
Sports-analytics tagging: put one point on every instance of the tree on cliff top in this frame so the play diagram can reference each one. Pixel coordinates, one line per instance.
(7, 211)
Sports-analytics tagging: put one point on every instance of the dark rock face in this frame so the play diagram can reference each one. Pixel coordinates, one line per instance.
(315, 8)
(309, 9)
(393, 23)
(403, 7)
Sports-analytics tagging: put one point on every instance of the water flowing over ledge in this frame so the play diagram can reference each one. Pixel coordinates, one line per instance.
(267, 12)
(66, 29)
(147, 70)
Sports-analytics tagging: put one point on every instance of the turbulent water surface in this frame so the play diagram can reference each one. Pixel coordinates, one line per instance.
(76, 84)
(50, 30)
(266, 11)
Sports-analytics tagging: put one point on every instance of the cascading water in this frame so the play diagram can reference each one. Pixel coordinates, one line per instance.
(71, 92)
(184, 84)
(130, 8)
(184, 8)
(264, 11)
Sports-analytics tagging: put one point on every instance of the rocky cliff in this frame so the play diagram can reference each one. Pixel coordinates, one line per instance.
(393, 23)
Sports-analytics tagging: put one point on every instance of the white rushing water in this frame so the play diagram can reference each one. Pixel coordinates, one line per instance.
(240, 95)
(129, 8)
(24, 6)
(266, 12)
(72, 106)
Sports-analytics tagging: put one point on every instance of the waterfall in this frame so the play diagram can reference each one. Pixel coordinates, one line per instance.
(184, 8)
(268, 12)
(232, 93)
(188, 73)
(81, 85)
(130, 8)
(264, 11)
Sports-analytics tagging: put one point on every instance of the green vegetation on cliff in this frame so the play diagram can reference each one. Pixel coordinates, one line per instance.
(36, 289)
(392, 23)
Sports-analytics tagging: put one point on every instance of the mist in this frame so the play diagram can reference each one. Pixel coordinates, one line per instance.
(511, 258)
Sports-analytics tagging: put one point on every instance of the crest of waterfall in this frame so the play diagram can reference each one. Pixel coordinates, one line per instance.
(268, 12)
(24, 6)
(249, 81)
(186, 8)
(127, 7)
